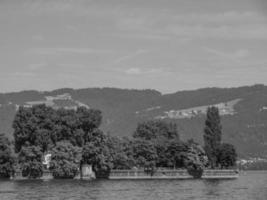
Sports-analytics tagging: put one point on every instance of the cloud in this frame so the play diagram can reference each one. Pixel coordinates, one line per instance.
(36, 66)
(236, 55)
(133, 71)
(64, 50)
(242, 53)
(130, 56)
(223, 17)
(23, 74)
(224, 25)
(71, 65)
(147, 71)
(38, 37)
(252, 31)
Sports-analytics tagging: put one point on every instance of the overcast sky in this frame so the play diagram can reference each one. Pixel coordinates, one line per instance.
(160, 44)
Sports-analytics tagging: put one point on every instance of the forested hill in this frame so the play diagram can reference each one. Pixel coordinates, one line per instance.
(243, 111)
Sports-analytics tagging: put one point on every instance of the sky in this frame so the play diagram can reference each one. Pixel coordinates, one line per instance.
(167, 45)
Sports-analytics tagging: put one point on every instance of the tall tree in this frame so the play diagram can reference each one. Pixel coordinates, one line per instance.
(6, 157)
(212, 134)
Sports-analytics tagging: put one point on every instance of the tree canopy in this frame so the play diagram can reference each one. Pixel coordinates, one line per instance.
(65, 160)
(30, 160)
(7, 159)
(73, 137)
(40, 129)
(226, 155)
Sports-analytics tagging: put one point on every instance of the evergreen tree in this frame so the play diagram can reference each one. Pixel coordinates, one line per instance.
(212, 134)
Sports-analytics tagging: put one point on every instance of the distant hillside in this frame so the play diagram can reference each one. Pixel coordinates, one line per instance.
(243, 111)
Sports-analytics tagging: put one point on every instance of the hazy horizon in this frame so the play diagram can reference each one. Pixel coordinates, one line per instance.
(166, 45)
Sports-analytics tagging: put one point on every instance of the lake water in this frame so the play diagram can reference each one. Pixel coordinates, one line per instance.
(249, 186)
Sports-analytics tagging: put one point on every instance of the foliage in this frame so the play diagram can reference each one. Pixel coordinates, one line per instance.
(65, 160)
(73, 137)
(144, 153)
(159, 133)
(212, 134)
(195, 169)
(7, 159)
(62, 131)
(96, 152)
(30, 160)
(33, 126)
(119, 106)
(226, 155)
(43, 126)
(121, 152)
(197, 150)
(156, 129)
(175, 154)
(194, 162)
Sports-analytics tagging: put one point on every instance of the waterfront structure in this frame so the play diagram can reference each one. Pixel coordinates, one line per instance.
(171, 174)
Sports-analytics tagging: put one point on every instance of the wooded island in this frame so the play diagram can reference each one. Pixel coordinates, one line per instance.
(74, 138)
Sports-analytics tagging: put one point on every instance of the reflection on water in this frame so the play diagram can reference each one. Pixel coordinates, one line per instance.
(252, 185)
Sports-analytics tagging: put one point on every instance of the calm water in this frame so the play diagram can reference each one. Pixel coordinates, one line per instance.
(249, 186)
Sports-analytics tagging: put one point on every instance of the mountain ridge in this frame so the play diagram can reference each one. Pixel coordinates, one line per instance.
(245, 126)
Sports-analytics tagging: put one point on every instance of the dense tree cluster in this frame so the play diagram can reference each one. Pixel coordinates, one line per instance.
(166, 149)
(64, 133)
(73, 138)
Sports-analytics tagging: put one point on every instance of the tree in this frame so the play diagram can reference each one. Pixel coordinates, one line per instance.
(195, 159)
(121, 152)
(156, 129)
(89, 119)
(197, 149)
(159, 133)
(33, 126)
(22, 127)
(96, 152)
(30, 160)
(43, 139)
(65, 160)
(175, 154)
(43, 126)
(6, 158)
(144, 154)
(226, 155)
(212, 134)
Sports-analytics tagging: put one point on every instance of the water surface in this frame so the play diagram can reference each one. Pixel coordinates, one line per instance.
(249, 186)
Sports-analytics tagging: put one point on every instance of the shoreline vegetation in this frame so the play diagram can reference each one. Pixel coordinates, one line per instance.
(59, 142)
